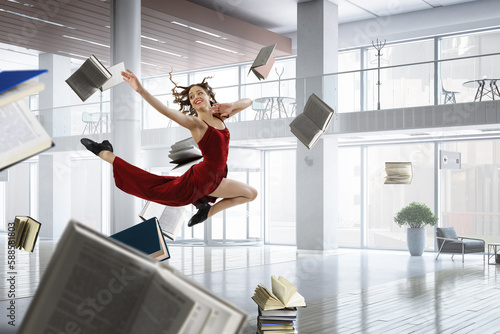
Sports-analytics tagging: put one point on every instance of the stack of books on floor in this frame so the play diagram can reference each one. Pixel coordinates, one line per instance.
(277, 309)
(281, 321)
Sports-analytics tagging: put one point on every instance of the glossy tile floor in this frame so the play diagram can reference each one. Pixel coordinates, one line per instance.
(347, 291)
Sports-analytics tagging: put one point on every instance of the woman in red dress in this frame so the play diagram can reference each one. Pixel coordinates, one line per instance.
(204, 182)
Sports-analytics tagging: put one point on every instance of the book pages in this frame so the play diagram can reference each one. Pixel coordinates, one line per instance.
(88, 78)
(305, 130)
(21, 134)
(20, 91)
(318, 111)
(116, 76)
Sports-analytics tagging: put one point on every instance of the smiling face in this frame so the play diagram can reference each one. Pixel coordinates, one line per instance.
(199, 98)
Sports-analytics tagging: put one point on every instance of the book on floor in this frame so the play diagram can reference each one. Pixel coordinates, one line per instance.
(146, 237)
(284, 295)
(398, 173)
(21, 134)
(26, 230)
(169, 217)
(95, 284)
(88, 78)
(184, 152)
(310, 125)
(263, 62)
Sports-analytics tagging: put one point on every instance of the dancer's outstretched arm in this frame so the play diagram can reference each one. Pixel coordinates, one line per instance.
(230, 109)
(183, 120)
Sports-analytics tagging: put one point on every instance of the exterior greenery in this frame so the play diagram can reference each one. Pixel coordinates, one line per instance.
(415, 215)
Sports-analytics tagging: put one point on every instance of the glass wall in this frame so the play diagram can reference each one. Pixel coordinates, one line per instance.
(280, 197)
(385, 200)
(349, 225)
(470, 196)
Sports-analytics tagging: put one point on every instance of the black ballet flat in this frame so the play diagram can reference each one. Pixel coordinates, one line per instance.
(96, 148)
(201, 215)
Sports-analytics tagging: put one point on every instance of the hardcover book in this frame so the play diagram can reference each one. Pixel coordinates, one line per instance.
(21, 134)
(398, 173)
(263, 62)
(26, 230)
(146, 237)
(310, 125)
(88, 78)
(94, 284)
(169, 217)
(184, 152)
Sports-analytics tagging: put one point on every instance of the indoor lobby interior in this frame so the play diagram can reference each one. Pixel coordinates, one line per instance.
(323, 217)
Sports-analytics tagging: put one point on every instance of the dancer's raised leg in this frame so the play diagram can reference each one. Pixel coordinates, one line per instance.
(103, 150)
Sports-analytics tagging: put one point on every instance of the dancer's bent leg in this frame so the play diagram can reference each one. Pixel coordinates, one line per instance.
(233, 193)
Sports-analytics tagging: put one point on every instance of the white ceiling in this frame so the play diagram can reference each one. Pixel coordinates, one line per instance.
(245, 25)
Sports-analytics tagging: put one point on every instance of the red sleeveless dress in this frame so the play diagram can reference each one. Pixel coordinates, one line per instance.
(192, 187)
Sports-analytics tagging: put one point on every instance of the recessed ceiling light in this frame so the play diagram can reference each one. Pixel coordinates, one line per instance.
(21, 3)
(36, 19)
(85, 40)
(199, 30)
(221, 48)
(163, 51)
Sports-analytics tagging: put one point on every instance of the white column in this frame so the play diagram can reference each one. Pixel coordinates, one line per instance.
(125, 105)
(317, 169)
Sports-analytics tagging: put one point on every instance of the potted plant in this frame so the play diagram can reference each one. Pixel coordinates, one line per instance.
(415, 216)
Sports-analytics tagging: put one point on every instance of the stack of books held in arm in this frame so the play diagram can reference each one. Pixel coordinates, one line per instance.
(277, 309)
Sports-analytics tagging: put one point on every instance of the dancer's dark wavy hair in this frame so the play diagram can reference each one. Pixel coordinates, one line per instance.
(182, 97)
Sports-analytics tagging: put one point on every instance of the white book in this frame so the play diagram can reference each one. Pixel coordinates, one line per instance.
(94, 284)
(116, 76)
(169, 217)
(21, 134)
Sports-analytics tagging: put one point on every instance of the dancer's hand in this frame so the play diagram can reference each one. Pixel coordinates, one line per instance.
(223, 109)
(132, 80)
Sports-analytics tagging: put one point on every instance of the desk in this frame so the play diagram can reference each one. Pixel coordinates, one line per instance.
(485, 87)
(267, 106)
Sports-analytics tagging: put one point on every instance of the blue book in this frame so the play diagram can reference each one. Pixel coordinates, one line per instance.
(146, 237)
(10, 79)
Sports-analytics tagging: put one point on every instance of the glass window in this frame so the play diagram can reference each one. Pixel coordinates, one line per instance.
(470, 196)
(219, 77)
(385, 200)
(280, 170)
(349, 225)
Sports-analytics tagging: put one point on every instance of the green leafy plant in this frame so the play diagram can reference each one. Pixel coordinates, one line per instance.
(415, 215)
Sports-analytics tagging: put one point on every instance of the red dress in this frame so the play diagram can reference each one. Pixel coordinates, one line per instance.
(192, 187)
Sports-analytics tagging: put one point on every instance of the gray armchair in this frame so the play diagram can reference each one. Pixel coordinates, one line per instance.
(449, 242)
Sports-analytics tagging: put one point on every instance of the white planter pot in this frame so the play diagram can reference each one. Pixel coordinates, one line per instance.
(415, 237)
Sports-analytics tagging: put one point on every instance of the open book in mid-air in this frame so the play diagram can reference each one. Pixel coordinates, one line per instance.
(94, 284)
(184, 153)
(147, 237)
(284, 295)
(169, 217)
(21, 134)
(263, 62)
(92, 76)
(310, 125)
(26, 231)
(398, 173)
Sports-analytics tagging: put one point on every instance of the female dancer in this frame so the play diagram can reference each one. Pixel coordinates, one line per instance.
(204, 182)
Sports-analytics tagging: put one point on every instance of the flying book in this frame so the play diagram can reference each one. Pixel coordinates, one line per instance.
(21, 134)
(95, 284)
(26, 231)
(116, 76)
(263, 62)
(146, 237)
(310, 125)
(284, 295)
(184, 152)
(398, 173)
(89, 78)
(169, 217)
(10, 79)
